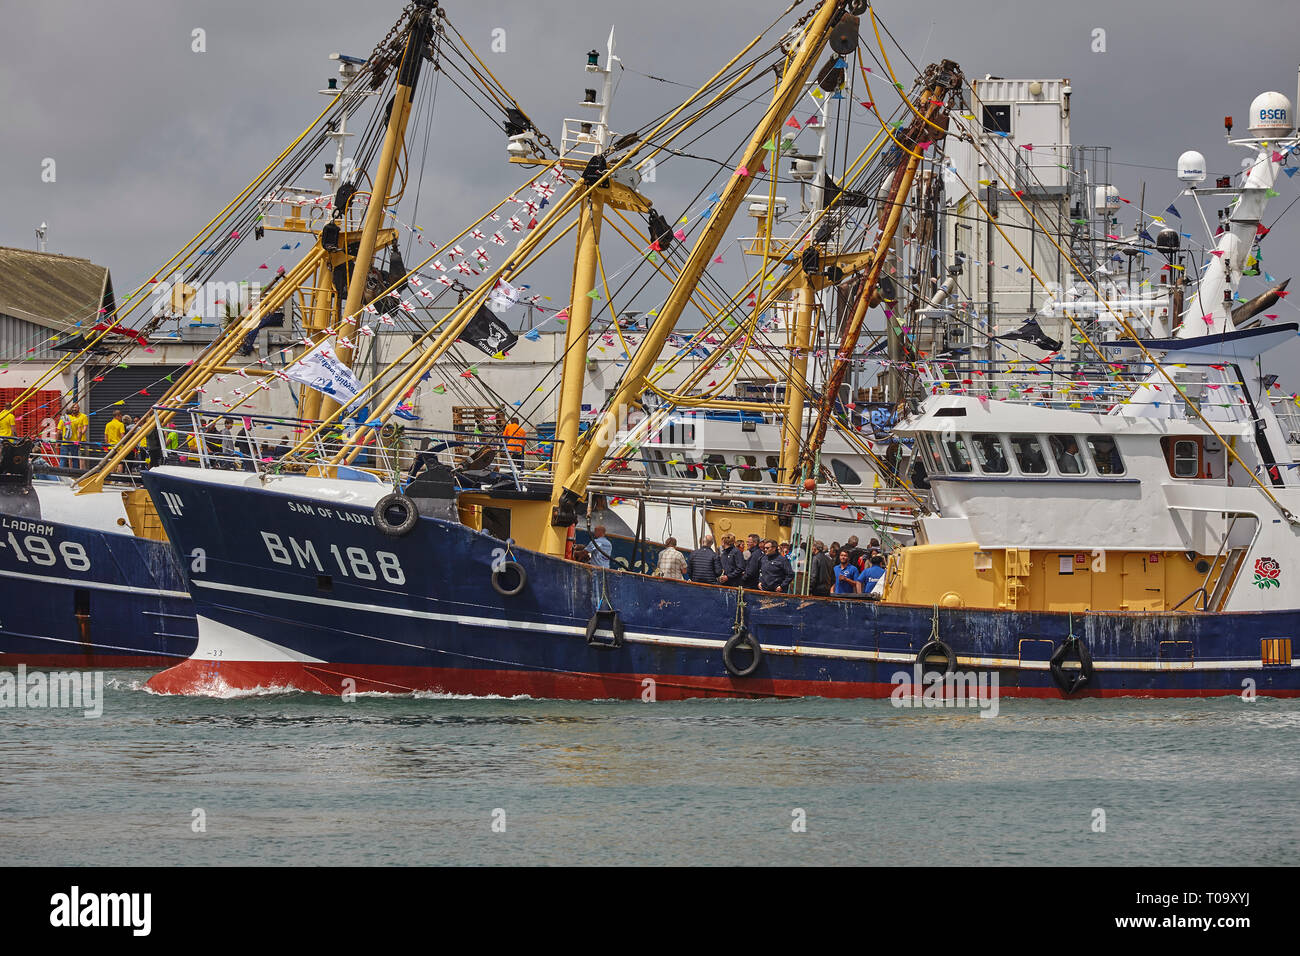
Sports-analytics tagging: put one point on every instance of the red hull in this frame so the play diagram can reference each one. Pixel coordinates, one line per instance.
(202, 677)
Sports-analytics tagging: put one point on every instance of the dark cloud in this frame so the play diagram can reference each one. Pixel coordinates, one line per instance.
(151, 139)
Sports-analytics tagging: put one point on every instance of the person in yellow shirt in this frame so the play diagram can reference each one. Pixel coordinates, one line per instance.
(115, 429)
(73, 427)
(7, 423)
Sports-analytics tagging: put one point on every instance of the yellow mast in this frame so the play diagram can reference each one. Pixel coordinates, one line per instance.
(394, 139)
(796, 385)
(940, 81)
(574, 374)
(797, 70)
(317, 321)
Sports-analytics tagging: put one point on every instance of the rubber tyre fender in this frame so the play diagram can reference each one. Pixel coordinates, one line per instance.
(498, 576)
(403, 527)
(741, 636)
(937, 645)
(605, 620)
(1069, 686)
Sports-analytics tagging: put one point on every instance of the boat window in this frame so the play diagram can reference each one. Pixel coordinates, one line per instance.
(1105, 455)
(1029, 454)
(844, 474)
(989, 453)
(930, 456)
(715, 467)
(1069, 459)
(958, 458)
(749, 470)
(773, 461)
(1184, 456)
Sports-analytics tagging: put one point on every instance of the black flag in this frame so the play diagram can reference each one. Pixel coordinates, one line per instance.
(487, 333)
(1033, 333)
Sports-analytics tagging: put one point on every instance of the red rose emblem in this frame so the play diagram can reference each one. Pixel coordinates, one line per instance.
(1268, 568)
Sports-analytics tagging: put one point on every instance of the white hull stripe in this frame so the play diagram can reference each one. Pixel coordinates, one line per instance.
(637, 637)
(94, 585)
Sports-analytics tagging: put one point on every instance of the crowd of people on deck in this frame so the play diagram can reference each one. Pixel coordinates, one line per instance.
(69, 447)
(761, 565)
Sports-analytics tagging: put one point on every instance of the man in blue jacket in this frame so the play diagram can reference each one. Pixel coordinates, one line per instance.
(704, 566)
(753, 562)
(776, 573)
(733, 561)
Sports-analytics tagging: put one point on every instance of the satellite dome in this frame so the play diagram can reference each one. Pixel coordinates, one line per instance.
(1270, 116)
(1191, 167)
(1167, 241)
(1107, 197)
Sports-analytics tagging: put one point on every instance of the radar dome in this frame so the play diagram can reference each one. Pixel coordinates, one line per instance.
(1107, 197)
(1270, 115)
(1191, 167)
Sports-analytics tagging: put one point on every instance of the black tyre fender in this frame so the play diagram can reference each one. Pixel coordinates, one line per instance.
(605, 621)
(1071, 685)
(740, 637)
(942, 647)
(500, 577)
(384, 520)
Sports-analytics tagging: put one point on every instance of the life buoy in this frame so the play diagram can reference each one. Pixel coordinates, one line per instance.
(395, 514)
(740, 636)
(501, 575)
(1066, 684)
(937, 645)
(605, 621)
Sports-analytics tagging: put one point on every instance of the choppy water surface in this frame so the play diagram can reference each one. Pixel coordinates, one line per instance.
(303, 779)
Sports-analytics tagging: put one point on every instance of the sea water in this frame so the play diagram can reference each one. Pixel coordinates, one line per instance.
(292, 778)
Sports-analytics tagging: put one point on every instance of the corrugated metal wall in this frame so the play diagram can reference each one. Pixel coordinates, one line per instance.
(124, 385)
(18, 335)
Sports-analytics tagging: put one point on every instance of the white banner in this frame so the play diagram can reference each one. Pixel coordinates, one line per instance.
(322, 370)
(503, 296)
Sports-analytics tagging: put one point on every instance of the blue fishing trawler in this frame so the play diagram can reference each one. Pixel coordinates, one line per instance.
(1113, 524)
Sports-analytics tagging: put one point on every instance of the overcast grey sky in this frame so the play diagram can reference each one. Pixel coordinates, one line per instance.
(150, 138)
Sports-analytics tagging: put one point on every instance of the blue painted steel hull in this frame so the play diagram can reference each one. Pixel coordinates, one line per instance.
(444, 627)
(87, 598)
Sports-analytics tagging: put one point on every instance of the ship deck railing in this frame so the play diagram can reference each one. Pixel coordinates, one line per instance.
(56, 458)
(195, 437)
(1094, 386)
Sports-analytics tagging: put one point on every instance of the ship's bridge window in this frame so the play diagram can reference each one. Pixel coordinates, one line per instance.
(989, 454)
(844, 474)
(1069, 459)
(930, 456)
(1183, 455)
(715, 467)
(954, 450)
(1029, 454)
(1105, 455)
